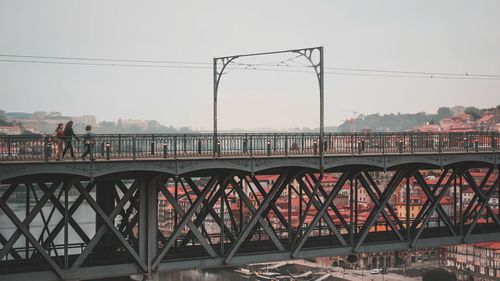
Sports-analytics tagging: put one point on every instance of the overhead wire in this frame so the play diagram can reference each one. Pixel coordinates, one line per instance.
(285, 65)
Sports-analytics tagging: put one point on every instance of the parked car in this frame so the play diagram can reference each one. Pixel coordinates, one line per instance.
(374, 271)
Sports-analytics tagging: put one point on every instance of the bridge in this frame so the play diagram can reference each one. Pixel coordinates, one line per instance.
(156, 203)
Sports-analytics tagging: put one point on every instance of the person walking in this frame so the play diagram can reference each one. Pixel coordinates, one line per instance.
(68, 139)
(58, 139)
(88, 142)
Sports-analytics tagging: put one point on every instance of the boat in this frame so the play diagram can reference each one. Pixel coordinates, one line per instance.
(267, 275)
(243, 271)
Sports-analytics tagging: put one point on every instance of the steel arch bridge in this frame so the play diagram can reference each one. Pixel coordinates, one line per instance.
(161, 203)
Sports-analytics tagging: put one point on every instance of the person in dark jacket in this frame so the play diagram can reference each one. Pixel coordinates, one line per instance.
(68, 139)
(88, 142)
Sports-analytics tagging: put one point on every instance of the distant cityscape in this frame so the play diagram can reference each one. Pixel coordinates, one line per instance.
(454, 119)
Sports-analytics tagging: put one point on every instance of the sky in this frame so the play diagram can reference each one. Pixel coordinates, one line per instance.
(424, 36)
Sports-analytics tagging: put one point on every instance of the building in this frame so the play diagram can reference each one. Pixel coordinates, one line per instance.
(481, 258)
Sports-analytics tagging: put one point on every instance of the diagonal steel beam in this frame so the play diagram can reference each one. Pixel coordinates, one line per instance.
(230, 212)
(190, 224)
(71, 211)
(9, 191)
(45, 220)
(375, 200)
(14, 254)
(379, 193)
(203, 229)
(480, 194)
(51, 213)
(21, 227)
(425, 208)
(420, 179)
(334, 208)
(434, 206)
(134, 201)
(472, 182)
(109, 224)
(345, 176)
(259, 219)
(485, 201)
(308, 205)
(317, 204)
(34, 212)
(257, 216)
(187, 217)
(256, 198)
(322, 190)
(273, 207)
(206, 210)
(60, 208)
(386, 195)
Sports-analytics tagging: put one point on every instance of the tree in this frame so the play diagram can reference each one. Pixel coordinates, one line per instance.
(444, 112)
(474, 112)
(3, 115)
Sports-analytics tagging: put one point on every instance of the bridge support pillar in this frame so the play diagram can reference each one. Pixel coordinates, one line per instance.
(148, 223)
(105, 198)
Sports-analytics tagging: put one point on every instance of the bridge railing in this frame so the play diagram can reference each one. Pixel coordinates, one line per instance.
(128, 146)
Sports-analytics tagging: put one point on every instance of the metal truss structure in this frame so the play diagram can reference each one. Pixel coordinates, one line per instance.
(142, 222)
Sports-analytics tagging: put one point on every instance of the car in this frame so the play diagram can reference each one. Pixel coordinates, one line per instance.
(383, 270)
(374, 271)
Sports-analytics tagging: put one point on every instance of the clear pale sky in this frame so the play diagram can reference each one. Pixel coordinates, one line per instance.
(431, 36)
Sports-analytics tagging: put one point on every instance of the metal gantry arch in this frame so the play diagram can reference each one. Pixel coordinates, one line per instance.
(307, 53)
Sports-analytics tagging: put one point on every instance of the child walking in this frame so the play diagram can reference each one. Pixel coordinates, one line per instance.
(88, 142)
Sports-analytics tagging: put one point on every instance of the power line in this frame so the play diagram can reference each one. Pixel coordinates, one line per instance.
(106, 64)
(105, 59)
(248, 66)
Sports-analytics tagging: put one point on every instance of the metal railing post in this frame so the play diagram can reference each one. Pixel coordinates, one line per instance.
(218, 148)
(152, 145)
(494, 141)
(245, 144)
(102, 148)
(8, 146)
(46, 148)
(274, 145)
(352, 144)
(440, 144)
(286, 145)
(383, 144)
(303, 142)
(251, 146)
(411, 143)
(165, 149)
(134, 147)
(175, 147)
(119, 144)
(108, 147)
(184, 143)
